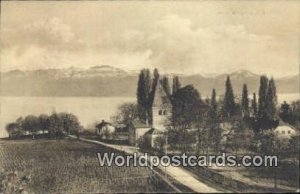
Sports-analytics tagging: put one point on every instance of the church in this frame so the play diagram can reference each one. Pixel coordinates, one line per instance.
(161, 112)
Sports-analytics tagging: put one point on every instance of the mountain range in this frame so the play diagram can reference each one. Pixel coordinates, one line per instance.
(110, 81)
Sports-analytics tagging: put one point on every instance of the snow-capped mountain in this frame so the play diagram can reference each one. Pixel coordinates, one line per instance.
(111, 81)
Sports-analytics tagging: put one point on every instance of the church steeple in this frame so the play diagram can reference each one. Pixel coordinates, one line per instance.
(161, 108)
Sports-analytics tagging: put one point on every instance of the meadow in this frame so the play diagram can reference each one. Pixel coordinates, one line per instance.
(59, 166)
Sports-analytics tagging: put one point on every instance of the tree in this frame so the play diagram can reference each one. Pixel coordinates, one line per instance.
(296, 113)
(294, 145)
(143, 94)
(181, 138)
(254, 106)
(30, 123)
(290, 113)
(43, 122)
(253, 120)
(55, 125)
(241, 135)
(285, 112)
(176, 84)
(268, 142)
(186, 113)
(245, 101)
(12, 128)
(69, 122)
(262, 102)
(213, 131)
(271, 144)
(126, 113)
(267, 117)
(213, 113)
(215, 135)
(186, 105)
(152, 93)
(229, 106)
(271, 101)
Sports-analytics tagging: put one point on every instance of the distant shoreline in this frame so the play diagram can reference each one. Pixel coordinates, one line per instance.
(291, 92)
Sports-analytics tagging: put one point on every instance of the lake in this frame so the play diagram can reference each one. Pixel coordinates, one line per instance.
(88, 109)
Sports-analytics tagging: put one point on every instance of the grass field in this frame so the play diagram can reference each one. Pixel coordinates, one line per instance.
(72, 166)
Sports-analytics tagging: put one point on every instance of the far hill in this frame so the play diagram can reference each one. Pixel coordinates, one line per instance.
(111, 81)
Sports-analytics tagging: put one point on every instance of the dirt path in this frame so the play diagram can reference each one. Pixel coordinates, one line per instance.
(178, 173)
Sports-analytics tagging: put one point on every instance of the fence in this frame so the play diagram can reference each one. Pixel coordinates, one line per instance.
(230, 183)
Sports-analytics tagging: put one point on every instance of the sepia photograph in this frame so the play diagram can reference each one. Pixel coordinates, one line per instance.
(149, 96)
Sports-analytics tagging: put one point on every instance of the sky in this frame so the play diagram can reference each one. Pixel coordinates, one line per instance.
(191, 37)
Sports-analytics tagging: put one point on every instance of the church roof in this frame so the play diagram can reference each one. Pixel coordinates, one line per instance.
(161, 98)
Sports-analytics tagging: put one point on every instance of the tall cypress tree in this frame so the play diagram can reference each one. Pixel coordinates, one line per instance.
(245, 101)
(254, 106)
(143, 93)
(140, 94)
(271, 100)
(229, 104)
(213, 106)
(152, 93)
(262, 100)
(176, 84)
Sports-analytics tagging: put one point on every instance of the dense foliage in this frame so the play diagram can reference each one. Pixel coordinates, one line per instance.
(54, 125)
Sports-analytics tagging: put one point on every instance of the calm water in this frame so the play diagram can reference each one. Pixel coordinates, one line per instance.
(88, 109)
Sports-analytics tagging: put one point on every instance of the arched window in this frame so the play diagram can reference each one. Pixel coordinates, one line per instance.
(165, 112)
(160, 112)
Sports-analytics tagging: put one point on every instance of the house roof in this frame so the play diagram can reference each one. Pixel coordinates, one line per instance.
(139, 124)
(284, 124)
(153, 131)
(103, 123)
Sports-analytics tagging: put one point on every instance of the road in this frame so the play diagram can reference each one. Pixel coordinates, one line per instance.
(178, 173)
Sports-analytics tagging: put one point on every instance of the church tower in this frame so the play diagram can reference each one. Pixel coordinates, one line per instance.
(161, 108)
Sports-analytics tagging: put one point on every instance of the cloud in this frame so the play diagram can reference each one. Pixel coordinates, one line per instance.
(54, 30)
(172, 43)
(50, 33)
(178, 45)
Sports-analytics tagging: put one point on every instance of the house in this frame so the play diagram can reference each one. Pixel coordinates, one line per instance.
(285, 131)
(105, 129)
(152, 136)
(136, 129)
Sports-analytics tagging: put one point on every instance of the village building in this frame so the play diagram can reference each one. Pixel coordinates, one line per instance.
(152, 136)
(105, 130)
(136, 130)
(285, 131)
